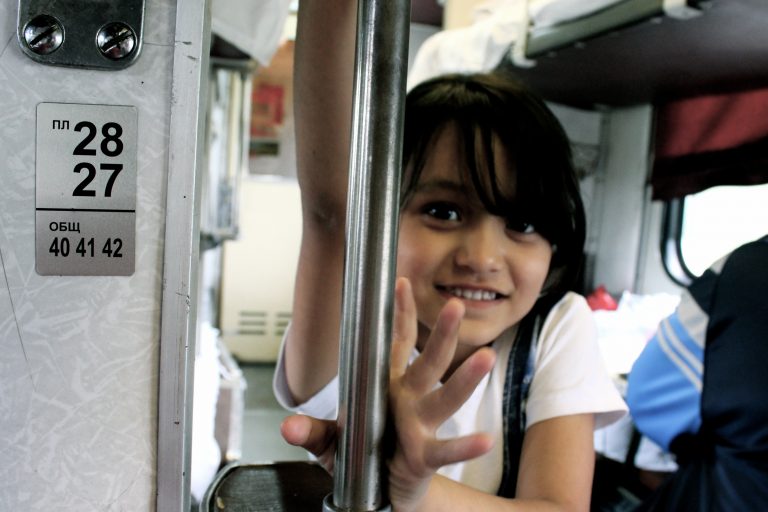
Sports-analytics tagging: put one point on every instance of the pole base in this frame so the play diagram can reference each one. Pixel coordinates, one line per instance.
(328, 506)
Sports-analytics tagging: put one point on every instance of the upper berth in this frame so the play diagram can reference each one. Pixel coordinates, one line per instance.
(633, 51)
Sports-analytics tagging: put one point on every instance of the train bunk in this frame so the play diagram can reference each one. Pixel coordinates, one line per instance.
(628, 52)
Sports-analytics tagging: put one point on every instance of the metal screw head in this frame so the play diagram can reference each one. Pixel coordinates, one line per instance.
(43, 34)
(116, 40)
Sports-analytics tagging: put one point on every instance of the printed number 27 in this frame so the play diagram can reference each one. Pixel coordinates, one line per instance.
(80, 190)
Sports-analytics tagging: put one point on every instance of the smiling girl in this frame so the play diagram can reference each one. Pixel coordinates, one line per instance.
(491, 237)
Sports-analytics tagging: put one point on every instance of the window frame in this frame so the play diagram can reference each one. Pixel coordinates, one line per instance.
(671, 243)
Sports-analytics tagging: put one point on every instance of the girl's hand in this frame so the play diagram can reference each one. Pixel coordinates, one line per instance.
(419, 409)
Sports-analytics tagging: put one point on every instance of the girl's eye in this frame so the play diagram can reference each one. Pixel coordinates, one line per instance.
(520, 226)
(442, 211)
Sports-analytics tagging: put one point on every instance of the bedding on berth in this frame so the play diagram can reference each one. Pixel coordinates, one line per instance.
(496, 26)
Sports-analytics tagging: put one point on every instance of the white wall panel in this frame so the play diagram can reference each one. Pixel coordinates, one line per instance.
(616, 214)
(79, 356)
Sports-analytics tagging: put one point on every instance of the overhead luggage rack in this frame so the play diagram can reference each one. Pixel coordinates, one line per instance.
(635, 52)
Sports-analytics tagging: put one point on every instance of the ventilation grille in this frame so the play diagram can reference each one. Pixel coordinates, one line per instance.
(263, 323)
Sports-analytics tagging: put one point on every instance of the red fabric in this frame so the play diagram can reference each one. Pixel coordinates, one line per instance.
(708, 141)
(710, 123)
(601, 299)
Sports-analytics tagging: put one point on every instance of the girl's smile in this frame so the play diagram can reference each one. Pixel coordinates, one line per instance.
(472, 296)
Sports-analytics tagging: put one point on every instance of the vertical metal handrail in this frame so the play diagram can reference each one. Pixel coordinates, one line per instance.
(381, 63)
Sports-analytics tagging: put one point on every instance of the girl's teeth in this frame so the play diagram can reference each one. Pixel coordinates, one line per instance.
(473, 294)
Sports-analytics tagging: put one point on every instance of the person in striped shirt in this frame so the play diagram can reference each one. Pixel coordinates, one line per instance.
(700, 388)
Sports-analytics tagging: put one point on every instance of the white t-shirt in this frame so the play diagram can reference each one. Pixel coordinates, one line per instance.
(569, 378)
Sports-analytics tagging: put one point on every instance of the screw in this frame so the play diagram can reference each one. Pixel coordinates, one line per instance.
(116, 40)
(43, 34)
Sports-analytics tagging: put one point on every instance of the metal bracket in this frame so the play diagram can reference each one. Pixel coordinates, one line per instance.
(95, 34)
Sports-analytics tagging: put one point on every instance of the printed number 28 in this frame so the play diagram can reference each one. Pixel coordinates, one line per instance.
(111, 146)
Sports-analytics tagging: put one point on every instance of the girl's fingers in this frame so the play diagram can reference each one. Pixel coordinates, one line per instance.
(441, 453)
(437, 355)
(445, 401)
(314, 435)
(404, 327)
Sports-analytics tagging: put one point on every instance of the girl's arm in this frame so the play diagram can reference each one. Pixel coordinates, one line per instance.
(324, 58)
(555, 473)
(558, 461)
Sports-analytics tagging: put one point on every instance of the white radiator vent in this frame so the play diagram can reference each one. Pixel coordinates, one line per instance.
(281, 323)
(253, 323)
(263, 323)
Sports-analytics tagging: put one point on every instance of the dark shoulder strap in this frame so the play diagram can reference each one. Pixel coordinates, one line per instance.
(516, 384)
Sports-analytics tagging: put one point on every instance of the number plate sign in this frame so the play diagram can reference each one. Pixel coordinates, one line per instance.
(85, 198)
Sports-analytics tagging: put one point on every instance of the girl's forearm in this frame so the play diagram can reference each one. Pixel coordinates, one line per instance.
(324, 59)
(324, 67)
(446, 494)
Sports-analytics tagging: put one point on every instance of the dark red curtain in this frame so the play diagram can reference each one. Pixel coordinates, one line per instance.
(710, 140)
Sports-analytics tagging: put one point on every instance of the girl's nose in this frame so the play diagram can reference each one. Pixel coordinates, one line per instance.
(480, 247)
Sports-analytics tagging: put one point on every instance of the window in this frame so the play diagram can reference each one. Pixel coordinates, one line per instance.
(703, 227)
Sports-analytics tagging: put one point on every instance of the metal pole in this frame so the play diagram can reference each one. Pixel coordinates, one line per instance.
(381, 63)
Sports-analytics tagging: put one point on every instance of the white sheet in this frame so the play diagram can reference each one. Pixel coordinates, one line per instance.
(497, 24)
(475, 48)
(255, 28)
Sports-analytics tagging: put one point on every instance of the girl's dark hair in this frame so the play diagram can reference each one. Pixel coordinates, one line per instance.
(546, 190)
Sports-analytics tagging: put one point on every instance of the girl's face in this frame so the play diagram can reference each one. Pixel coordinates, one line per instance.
(451, 246)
